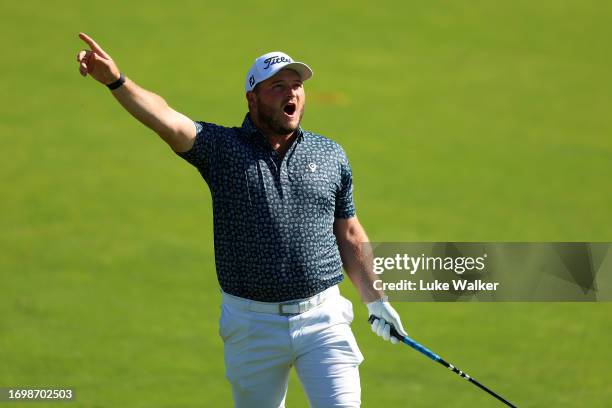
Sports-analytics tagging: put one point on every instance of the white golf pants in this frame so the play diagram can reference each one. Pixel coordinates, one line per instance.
(260, 349)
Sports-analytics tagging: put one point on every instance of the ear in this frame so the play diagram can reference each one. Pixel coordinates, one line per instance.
(251, 100)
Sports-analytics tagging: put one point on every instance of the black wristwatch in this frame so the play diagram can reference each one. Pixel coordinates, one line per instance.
(117, 83)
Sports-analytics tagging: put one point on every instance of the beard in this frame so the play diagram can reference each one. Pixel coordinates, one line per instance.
(274, 120)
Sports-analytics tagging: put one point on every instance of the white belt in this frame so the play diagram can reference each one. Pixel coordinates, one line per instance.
(290, 307)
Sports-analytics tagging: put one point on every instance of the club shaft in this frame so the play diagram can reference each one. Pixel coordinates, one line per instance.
(425, 351)
(476, 383)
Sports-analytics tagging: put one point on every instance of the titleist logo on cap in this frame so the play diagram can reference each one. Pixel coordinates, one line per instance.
(275, 59)
(269, 64)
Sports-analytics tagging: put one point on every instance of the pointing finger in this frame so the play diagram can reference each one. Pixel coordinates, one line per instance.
(94, 46)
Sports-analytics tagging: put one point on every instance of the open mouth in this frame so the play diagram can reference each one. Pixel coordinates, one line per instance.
(290, 108)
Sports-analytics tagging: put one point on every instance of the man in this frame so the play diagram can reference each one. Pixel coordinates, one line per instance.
(284, 225)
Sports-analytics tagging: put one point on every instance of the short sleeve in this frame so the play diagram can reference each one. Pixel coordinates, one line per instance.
(345, 207)
(204, 150)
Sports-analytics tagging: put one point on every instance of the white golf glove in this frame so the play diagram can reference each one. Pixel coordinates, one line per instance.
(385, 317)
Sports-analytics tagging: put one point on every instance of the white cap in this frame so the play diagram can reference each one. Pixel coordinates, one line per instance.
(269, 64)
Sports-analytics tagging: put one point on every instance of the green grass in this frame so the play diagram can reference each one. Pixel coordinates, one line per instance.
(481, 121)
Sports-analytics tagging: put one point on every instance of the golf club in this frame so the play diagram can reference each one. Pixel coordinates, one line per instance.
(423, 350)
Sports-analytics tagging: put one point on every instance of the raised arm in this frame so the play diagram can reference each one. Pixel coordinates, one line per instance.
(150, 109)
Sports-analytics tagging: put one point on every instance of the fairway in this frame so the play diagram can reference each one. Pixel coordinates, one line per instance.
(487, 122)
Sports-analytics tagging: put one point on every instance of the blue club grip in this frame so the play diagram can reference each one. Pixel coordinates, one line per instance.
(405, 339)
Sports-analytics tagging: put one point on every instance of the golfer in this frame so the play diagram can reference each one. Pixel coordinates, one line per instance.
(284, 226)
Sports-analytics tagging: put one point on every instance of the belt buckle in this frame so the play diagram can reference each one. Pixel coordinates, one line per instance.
(280, 309)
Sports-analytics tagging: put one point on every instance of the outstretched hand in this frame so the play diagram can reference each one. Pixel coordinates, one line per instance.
(96, 62)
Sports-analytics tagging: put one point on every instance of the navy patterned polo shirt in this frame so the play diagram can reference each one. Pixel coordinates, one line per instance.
(273, 218)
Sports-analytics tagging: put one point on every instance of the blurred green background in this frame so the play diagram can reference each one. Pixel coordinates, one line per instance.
(477, 121)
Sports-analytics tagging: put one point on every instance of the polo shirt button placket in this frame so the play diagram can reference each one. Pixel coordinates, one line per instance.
(284, 178)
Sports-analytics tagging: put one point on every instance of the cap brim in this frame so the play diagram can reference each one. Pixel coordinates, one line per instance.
(302, 69)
